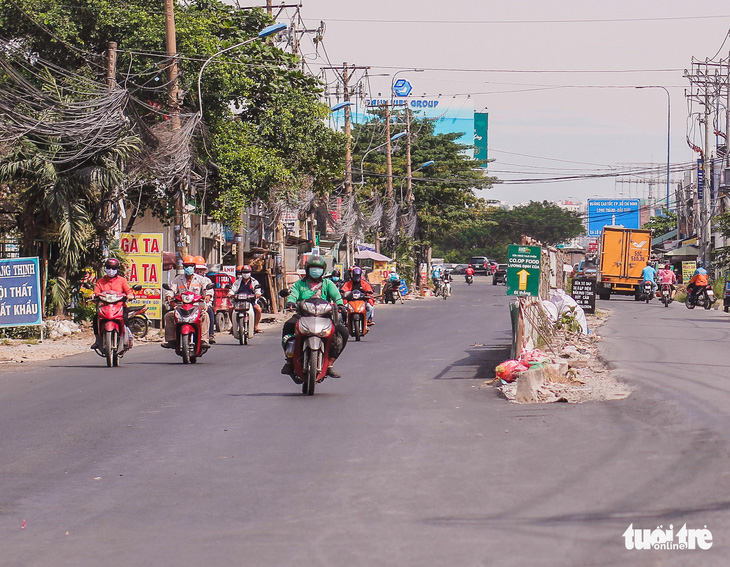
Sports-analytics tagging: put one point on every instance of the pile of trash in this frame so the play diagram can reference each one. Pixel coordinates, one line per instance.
(573, 373)
(56, 328)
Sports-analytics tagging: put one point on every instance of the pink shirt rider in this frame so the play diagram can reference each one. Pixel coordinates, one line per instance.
(667, 277)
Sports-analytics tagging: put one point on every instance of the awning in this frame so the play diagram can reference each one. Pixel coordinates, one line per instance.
(689, 251)
(371, 255)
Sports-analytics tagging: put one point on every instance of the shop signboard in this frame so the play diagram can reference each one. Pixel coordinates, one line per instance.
(143, 252)
(688, 270)
(523, 270)
(20, 292)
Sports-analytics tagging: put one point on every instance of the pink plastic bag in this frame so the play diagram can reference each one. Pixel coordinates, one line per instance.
(535, 355)
(507, 370)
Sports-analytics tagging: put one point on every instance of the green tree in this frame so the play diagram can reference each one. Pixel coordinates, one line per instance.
(661, 225)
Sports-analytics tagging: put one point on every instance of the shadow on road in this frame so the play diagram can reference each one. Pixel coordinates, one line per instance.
(481, 359)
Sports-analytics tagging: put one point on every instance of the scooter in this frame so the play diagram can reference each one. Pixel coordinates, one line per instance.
(139, 324)
(188, 324)
(469, 279)
(646, 292)
(310, 347)
(702, 298)
(243, 314)
(357, 320)
(391, 292)
(446, 289)
(112, 330)
(666, 294)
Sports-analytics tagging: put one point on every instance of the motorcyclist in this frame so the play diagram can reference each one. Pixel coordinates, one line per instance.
(247, 284)
(648, 274)
(336, 278)
(699, 281)
(436, 275)
(358, 282)
(189, 281)
(111, 281)
(667, 276)
(312, 284)
(469, 272)
(201, 268)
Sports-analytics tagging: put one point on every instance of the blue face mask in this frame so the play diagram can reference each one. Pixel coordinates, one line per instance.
(316, 273)
(335, 279)
(189, 270)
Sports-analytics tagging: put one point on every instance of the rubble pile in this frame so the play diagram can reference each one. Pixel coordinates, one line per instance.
(575, 373)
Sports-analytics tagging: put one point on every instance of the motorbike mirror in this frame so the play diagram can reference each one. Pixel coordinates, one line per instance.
(137, 287)
(284, 293)
(166, 286)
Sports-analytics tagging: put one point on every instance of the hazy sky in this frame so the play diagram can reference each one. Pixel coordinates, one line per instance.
(558, 78)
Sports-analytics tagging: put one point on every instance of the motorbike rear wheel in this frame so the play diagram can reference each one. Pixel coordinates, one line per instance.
(185, 348)
(139, 326)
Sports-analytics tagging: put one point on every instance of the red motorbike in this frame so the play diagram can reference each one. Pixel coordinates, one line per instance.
(357, 320)
(188, 324)
(112, 331)
(313, 336)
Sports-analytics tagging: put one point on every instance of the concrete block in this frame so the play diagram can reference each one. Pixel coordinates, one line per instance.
(528, 384)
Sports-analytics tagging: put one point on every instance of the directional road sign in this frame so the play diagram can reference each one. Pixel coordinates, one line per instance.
(523, 270)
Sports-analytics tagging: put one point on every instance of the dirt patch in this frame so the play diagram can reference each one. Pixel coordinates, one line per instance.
(588, 377)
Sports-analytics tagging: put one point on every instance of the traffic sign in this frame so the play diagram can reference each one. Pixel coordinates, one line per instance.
(523, 270)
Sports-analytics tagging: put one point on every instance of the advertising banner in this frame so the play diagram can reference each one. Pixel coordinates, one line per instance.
(619, 212)
(20, 292)
(144, 266)
(481, 129)
(523, 270)
(688, 270)
(584, 293)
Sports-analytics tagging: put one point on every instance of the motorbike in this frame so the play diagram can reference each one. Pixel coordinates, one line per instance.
(391, 292)
(357, 320)
(666, 294)
(469, 279)
(139, 324)
(702, 298)
(446, 289)
(243, 314)
(112, 330)
(188, 322)
(646, 292)
(310, 347)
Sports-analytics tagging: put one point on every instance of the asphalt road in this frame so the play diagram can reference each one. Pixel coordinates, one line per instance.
(404, 461)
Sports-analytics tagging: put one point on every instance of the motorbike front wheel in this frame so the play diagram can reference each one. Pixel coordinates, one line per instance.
(110, 351)
(242, 335)
(185, 348)
(310, 372)
(356, 328)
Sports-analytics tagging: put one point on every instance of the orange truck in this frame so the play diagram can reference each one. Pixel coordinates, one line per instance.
(623, 254)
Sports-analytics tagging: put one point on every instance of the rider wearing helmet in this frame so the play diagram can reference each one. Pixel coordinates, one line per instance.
(336, 278)
(699, 281)
(189, 281)
(314, 283)
(469, 270)
(111, 281)
(201, 268)
(246, 284)
(357, 282)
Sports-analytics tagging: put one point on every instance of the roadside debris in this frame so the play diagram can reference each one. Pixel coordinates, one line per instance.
(574, 373)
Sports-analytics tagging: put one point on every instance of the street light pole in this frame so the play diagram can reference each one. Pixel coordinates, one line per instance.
(669, 130)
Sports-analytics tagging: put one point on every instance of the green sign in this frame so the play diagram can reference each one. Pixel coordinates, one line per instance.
(481, 130)
(523, 270)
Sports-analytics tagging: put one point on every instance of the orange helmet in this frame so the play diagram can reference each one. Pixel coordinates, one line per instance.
(189, 261)
(200, 263)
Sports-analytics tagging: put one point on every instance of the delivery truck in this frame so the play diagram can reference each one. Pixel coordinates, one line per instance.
(623, 254)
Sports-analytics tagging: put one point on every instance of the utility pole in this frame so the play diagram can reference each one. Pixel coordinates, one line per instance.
(269, 7)
(409, 179)
(705, 204)
(348, 155)
(181, 237)
(111, 64)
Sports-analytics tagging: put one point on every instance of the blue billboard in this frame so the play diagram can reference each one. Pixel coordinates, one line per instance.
(20, 295)
(619, 212)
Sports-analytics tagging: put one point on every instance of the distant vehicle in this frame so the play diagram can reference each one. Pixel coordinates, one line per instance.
(586, 269)
(500, 275)
(480, 264)
(449, 266)
(624, 253)
(459, 269)
(492, 266)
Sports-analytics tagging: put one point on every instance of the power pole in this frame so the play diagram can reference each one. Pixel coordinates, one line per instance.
(705, 204)
(269, 7)
(111, 64)
(181, 237)
(409, 179)
(348, 155)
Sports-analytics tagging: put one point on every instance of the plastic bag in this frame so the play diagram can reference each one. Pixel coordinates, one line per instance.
(507, 370)
(534, 356)
(128, 338)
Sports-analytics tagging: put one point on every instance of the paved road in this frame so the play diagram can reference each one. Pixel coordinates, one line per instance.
(404, 461)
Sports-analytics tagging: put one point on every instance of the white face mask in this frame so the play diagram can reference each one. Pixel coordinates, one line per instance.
(245, 275)
(111, 273)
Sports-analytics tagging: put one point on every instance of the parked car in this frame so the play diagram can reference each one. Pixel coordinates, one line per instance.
(480, 264)
(586, 269)
(459, 269)
(500, 275)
